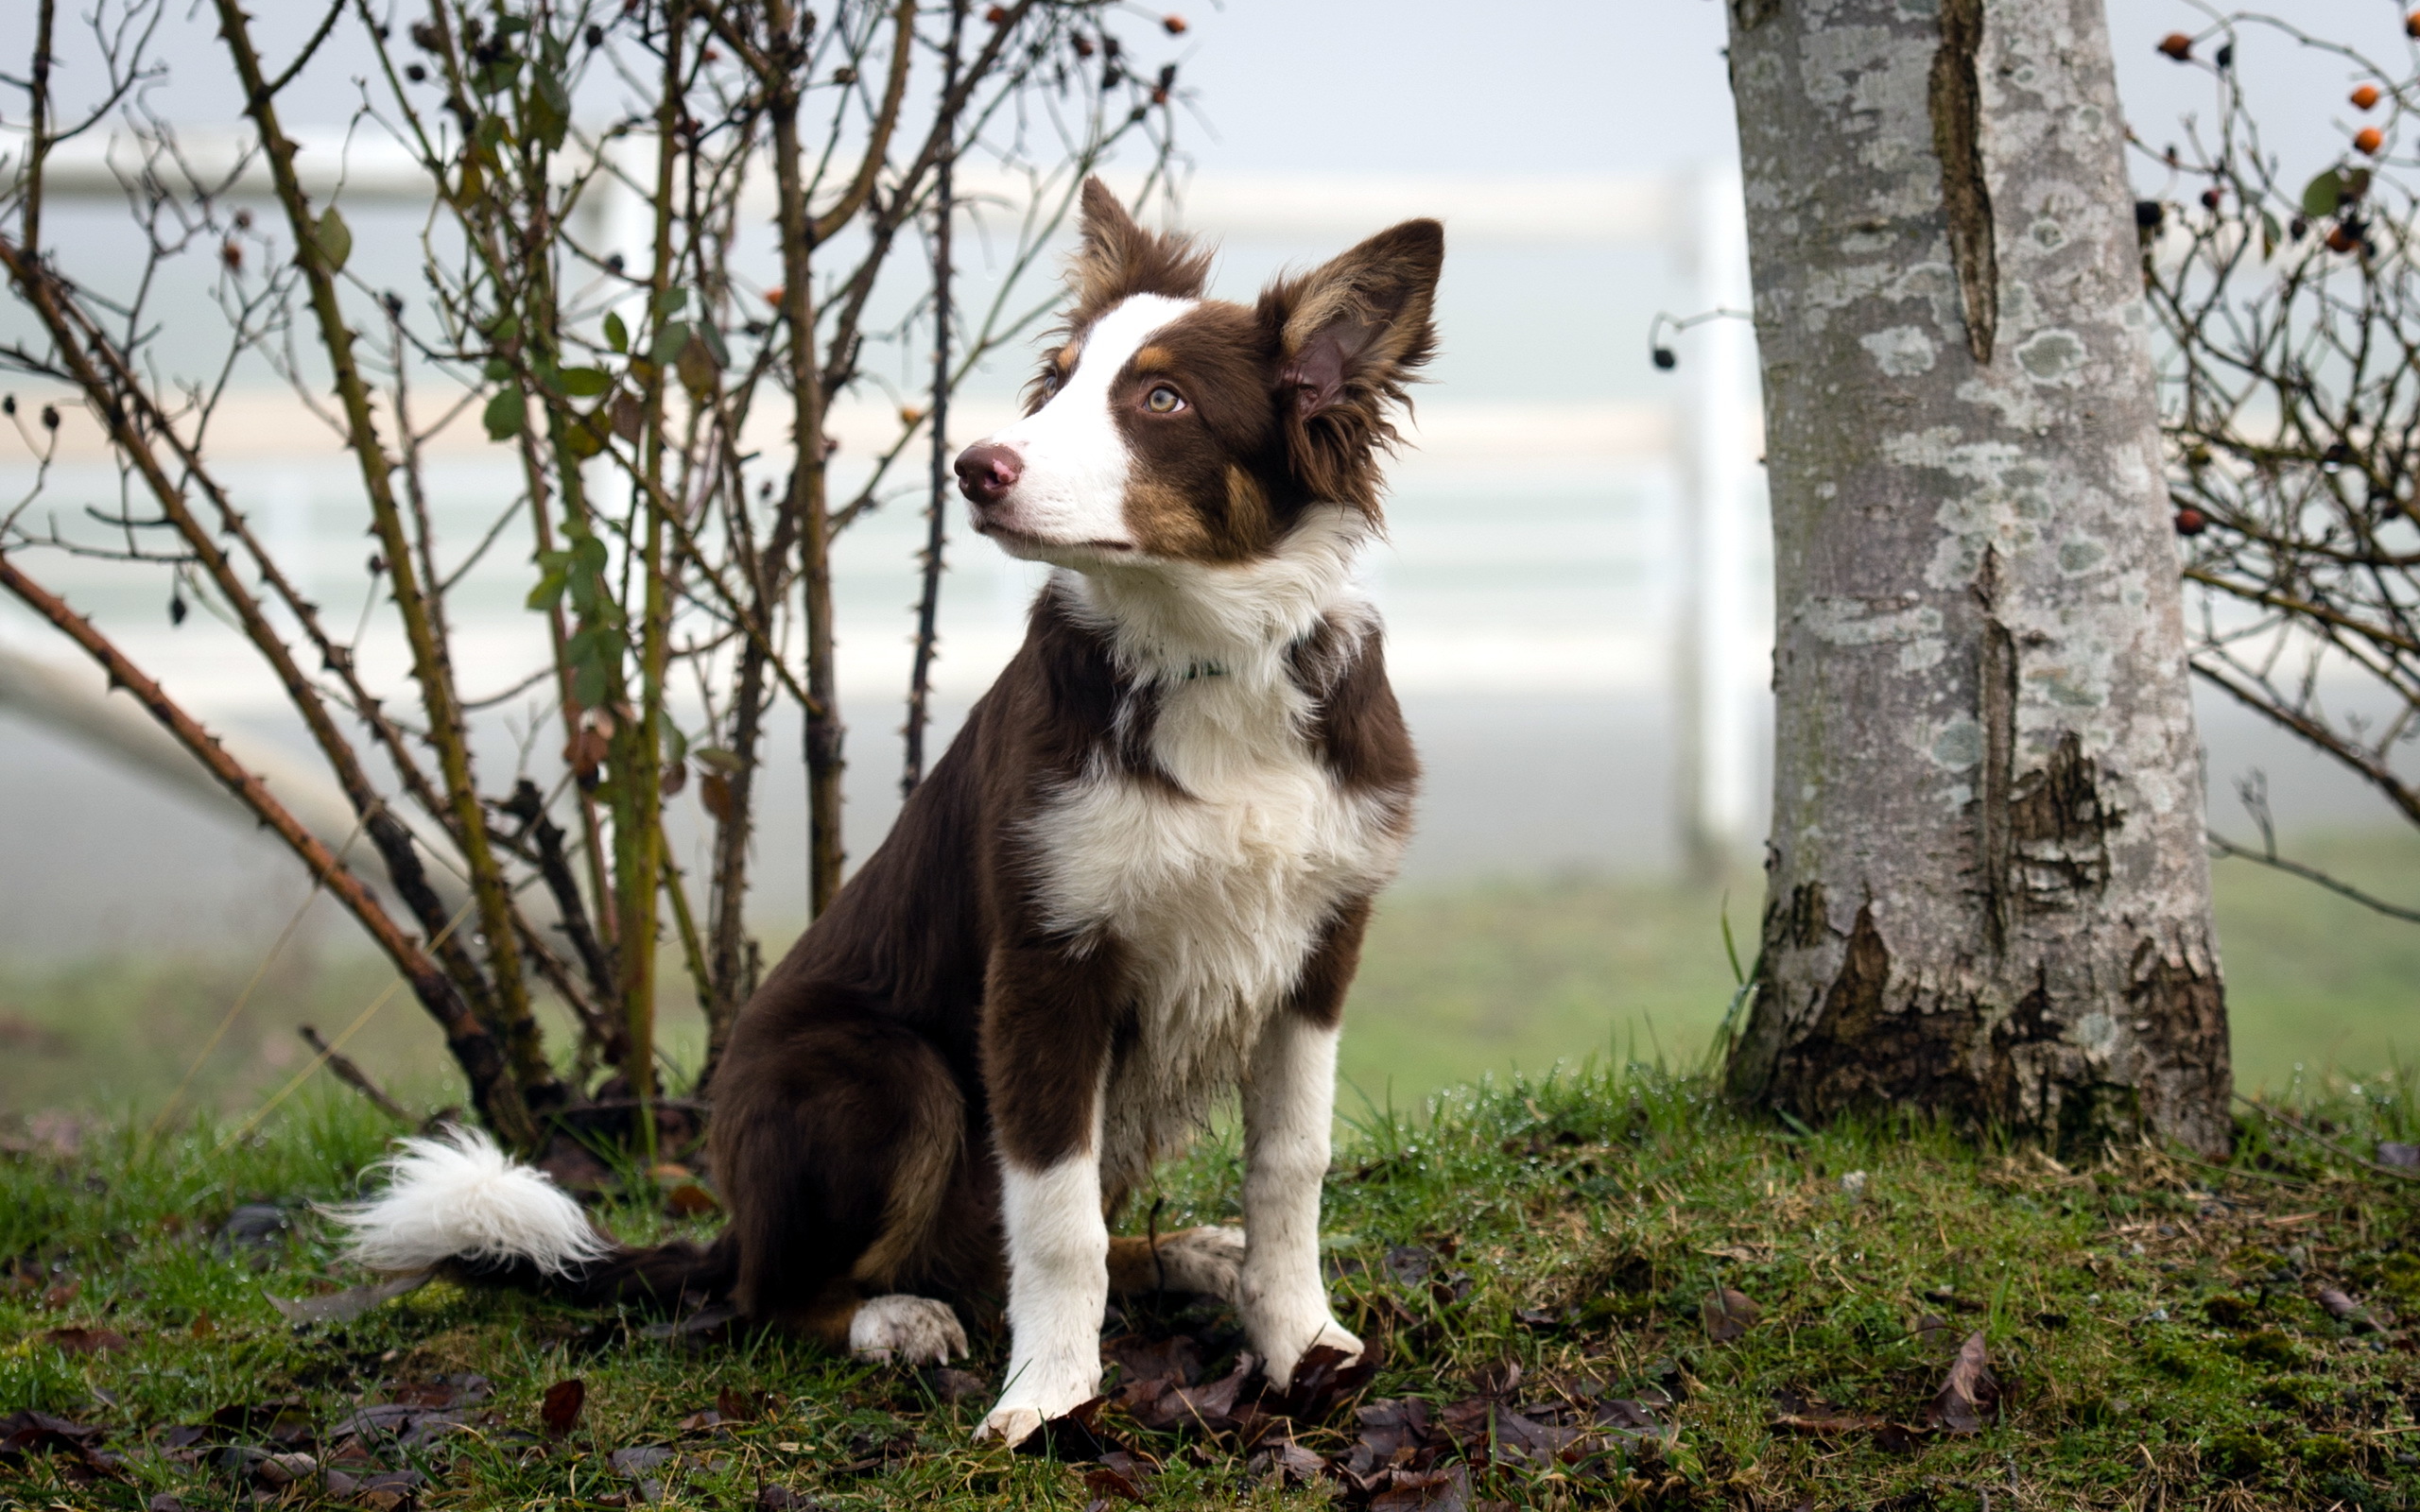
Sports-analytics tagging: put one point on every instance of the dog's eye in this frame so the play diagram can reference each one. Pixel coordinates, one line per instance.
(1049, 380)
(1163, 401)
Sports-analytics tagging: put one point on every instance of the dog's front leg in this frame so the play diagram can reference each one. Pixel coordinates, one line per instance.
(1046, 1048)
(1288, 1101)
(1058, 1291)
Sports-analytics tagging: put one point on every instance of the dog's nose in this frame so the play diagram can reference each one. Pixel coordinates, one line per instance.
(987, 471)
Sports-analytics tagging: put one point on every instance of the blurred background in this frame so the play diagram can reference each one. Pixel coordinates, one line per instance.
(1574, 582)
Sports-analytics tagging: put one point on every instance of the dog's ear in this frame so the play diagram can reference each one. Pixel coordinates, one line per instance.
(1350, 335)
(1114, 258)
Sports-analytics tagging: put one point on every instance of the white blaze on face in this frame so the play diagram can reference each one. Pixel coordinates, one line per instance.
(1072, 492)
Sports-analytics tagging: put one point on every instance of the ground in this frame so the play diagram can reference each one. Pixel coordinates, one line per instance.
(1598, 1288)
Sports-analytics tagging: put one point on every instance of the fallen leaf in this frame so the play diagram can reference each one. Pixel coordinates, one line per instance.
(343, 1307)
(1392, 1433)
(1124, 1481)
(690, 1199)
(781, 1498)
(560, 1409)
(1323, 1378)
(1489, 1431)
(86, 1339)
(2402, 1157)
(1176, 1358)
(1410, 1264)
(1729, 1314)
(632, 1463)
(1071, 1439)
(1438, 1490)
(1285, 1463)
(464, 1389)
(1159, 1403)
(1970, 1395)
(2344, 1310)
(281, 1470)
(739, 1406)
(165, 1502)
(72, 1445)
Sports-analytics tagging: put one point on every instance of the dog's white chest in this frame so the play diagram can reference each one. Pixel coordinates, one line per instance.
(1215, 895)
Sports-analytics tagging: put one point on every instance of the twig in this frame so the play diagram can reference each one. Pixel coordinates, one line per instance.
(2227, 848)
(349, 1072)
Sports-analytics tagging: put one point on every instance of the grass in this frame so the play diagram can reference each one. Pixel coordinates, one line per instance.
(2155, 1320)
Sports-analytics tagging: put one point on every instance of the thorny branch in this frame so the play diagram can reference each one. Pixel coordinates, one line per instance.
(2289, 300)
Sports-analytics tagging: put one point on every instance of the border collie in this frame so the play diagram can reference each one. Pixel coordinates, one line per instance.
(1138, 879)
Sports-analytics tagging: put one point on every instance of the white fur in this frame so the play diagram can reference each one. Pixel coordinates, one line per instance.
(1058, 1290)
(1218, 896)
(1069, 501)
(916, 1330)
(1288, 1103)
(458, 1196)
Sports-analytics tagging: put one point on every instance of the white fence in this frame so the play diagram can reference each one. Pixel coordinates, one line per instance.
(1602, 536)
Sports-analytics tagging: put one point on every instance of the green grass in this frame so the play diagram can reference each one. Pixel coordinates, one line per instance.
(2154, 1321)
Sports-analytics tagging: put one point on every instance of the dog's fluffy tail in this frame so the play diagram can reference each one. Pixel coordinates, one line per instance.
(456, 1196)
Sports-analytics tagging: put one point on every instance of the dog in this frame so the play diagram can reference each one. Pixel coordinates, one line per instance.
(1137, 881)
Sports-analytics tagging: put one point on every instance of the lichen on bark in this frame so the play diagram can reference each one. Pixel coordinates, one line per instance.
(1987, 891)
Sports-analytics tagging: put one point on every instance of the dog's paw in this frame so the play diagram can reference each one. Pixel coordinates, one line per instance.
(909, 1330)
(1209, 1260)
(1009, 1425)
(1037, 1392)
(1285, 1350)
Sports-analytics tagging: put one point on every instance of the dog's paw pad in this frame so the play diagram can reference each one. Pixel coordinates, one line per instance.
(908, 1330)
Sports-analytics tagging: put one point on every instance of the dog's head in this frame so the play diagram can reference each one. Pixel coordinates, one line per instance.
(1165, 426)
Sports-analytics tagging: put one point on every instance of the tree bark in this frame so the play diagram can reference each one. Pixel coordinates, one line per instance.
(1987, 893)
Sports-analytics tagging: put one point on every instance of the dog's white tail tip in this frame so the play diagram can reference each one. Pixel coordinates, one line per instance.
(457, 1196)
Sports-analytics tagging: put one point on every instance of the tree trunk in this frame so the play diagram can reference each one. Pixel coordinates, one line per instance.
(1987, 891)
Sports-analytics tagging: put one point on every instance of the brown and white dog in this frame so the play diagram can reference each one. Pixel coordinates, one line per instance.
(1137, 881)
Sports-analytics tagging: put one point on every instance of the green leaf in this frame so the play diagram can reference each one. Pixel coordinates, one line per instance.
(335, 239)
(715, 348)
(504, 414)
(715, 758)
(669, 339)
(2323, 194)
(669, 302)
(617, 335)
(584, 437)
(2270, 235)
(588, 685)
(589, 553)
(549, 117)
(497, 369)
(505, 328)
(548, 593)
(585, 383)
